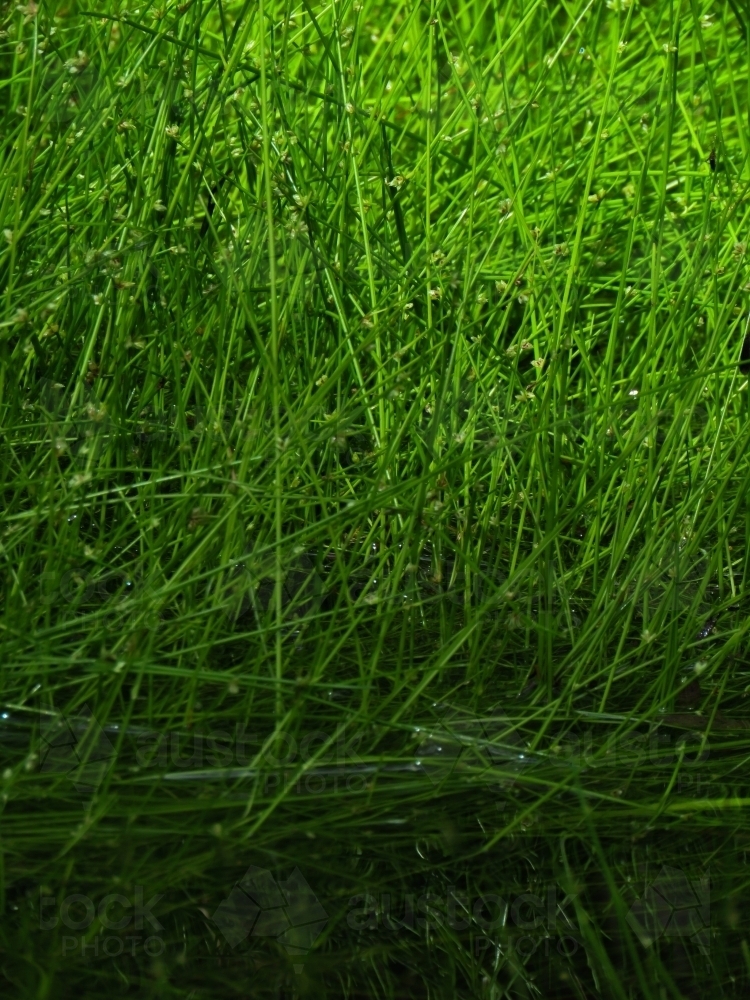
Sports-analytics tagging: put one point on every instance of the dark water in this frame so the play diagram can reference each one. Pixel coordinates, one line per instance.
(443, 859)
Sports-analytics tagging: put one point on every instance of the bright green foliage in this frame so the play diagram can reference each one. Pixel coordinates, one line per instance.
(359, 360)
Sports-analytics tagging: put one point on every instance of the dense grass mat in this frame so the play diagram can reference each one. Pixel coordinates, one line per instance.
(374, 412)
